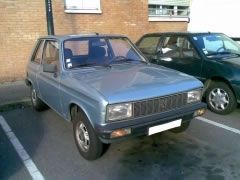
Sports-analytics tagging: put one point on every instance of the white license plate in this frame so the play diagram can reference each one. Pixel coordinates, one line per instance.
(164, 127)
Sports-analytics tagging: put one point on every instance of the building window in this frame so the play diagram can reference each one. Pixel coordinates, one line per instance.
(168, 10)
(83, 6)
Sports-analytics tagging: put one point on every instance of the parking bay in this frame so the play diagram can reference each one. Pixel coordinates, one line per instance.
(204, 151)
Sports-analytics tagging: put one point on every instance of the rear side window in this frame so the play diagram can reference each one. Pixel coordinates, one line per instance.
(148, 45)
(38, 53)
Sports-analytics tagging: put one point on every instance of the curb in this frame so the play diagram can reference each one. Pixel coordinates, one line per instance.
(15, 105)
(6, 84)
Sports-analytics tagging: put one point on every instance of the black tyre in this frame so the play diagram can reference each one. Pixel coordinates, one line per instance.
(88, 144)
(220, 98)
(182, 128)
(37, 103)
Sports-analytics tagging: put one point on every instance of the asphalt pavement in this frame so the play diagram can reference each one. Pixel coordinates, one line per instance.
(204, 151)
(13, 92)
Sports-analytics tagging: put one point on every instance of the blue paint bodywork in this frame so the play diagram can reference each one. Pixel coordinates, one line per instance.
(93, 88)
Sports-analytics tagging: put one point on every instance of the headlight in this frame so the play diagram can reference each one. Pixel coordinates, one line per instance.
(194, 96)
(119, 111)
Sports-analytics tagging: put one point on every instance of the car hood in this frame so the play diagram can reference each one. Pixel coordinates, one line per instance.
(232, 61)
(131, 82)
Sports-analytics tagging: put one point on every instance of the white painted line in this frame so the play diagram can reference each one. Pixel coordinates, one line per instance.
(219, 125)
(27, 161)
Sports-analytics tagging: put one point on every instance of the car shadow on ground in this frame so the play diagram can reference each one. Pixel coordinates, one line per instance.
(171, 156)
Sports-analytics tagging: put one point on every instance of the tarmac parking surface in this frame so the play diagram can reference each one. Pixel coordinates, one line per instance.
(204, 151)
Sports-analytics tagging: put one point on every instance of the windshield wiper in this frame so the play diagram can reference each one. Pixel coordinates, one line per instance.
(123, 59)
(89, 65)
(83, 65)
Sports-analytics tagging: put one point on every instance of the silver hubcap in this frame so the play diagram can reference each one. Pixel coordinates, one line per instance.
(219, 99)
(83, 137)
(34, 96)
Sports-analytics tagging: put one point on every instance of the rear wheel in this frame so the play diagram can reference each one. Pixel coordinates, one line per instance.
(220, 98)
(88, 144)
(37, 103)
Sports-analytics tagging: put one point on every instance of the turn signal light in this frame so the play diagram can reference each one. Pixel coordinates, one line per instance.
(120, 132)
(199, 112)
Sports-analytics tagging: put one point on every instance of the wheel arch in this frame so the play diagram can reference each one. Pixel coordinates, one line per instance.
(217, 79)
(28, 82)
(75, 108)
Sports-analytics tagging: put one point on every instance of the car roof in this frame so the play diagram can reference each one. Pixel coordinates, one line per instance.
(73, 36)
(188, 33)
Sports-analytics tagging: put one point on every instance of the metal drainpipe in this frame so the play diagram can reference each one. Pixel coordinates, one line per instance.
(49, 16)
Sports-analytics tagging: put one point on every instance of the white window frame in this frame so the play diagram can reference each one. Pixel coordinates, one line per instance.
(78, 7)
(173, 17)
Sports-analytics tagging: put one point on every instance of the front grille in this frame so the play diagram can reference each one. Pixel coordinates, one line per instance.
(160, 104)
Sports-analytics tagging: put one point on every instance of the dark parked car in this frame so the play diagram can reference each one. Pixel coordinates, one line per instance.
(236, 39)
(213, 58)
(105, 87)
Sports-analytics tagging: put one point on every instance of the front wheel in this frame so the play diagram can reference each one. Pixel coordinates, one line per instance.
(220, 98)
(88, 144)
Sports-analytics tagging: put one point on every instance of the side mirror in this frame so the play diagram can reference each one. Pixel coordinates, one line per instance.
(156, 56)
(51, 68)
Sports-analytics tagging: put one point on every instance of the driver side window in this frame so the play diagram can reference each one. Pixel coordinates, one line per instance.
(178, 47)
(51, 52)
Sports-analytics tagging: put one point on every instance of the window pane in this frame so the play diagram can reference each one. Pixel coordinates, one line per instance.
(182, 11)
(187, 50)
(91, 4)
(97, 51)
(82, 4)
(149, 45)
(168, 8)
(122, 47)
(171, 46)
(178, 47)
(77, 47)
(85, 51)
(38, 54)
(170, 2)
(51, 53)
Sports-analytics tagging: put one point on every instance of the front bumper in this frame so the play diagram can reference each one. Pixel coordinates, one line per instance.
(236, 89)
(139, 126)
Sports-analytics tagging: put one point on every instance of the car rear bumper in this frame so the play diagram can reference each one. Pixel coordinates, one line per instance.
(140, 126)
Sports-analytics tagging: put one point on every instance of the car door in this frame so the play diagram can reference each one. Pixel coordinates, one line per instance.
(178, 53)
(35, 64)
(49, 82)
(148, 46)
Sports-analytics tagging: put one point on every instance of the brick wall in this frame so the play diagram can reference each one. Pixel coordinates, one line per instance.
(23, 21)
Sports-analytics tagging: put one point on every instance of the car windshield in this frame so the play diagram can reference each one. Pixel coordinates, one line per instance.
(213, 45)
(99, 51)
